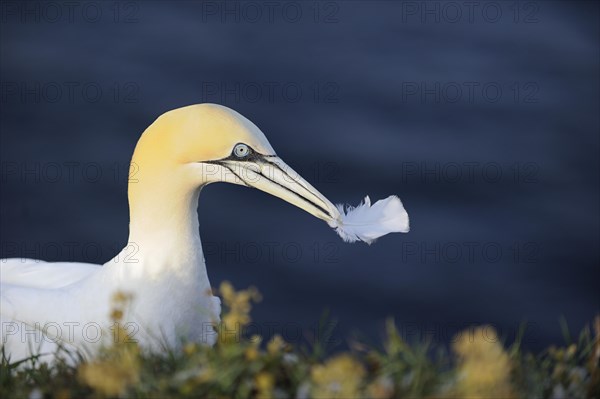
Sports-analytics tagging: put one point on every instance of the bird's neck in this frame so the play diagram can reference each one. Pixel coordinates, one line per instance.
(164, 233)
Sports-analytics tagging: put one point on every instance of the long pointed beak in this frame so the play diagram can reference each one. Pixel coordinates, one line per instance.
(271, 175)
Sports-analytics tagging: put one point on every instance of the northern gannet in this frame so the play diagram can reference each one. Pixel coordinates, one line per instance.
(162, 266)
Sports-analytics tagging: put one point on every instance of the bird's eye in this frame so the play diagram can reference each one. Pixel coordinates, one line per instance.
(241, 150)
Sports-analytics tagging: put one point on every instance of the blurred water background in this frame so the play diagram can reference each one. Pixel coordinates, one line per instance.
(483, 118)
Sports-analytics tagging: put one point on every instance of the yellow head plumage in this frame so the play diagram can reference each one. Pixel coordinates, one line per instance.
(189, 147)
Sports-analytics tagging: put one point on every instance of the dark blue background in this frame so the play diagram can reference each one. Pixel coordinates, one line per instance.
(512, 175)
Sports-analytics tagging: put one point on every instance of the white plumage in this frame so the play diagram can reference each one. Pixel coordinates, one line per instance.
(367, 222)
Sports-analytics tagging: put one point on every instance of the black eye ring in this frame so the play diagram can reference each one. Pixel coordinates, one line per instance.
(241, 150)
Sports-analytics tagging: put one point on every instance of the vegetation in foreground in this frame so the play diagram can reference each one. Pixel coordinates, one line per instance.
(478, 366)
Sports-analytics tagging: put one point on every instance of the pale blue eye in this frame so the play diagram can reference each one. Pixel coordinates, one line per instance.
(241, 150)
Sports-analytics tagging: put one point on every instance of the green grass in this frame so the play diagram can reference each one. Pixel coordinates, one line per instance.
(477, 366)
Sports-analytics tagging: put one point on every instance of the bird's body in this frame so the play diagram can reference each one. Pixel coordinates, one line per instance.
(162, 267)
(71, 303)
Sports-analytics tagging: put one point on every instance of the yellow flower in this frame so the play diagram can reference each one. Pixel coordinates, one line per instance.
(120, 366)
(275, 345)
(571, 350)
(238, 306)
(483, 366)
(116, 315)
(111, 377)
(190, 348)
(206, 374)
(339, 377)
(251, 354)
(121, 297)
(264, 385)
(227, 291)
(120, 300)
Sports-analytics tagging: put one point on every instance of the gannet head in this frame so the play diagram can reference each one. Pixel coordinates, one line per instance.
(206, 143)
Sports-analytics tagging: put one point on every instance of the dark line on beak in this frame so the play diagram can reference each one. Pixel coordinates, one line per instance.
(229, 169)
(261, 157)
(286, 173)
(298, 194)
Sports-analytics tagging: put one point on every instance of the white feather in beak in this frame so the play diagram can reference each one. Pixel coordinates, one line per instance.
(367, 222)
